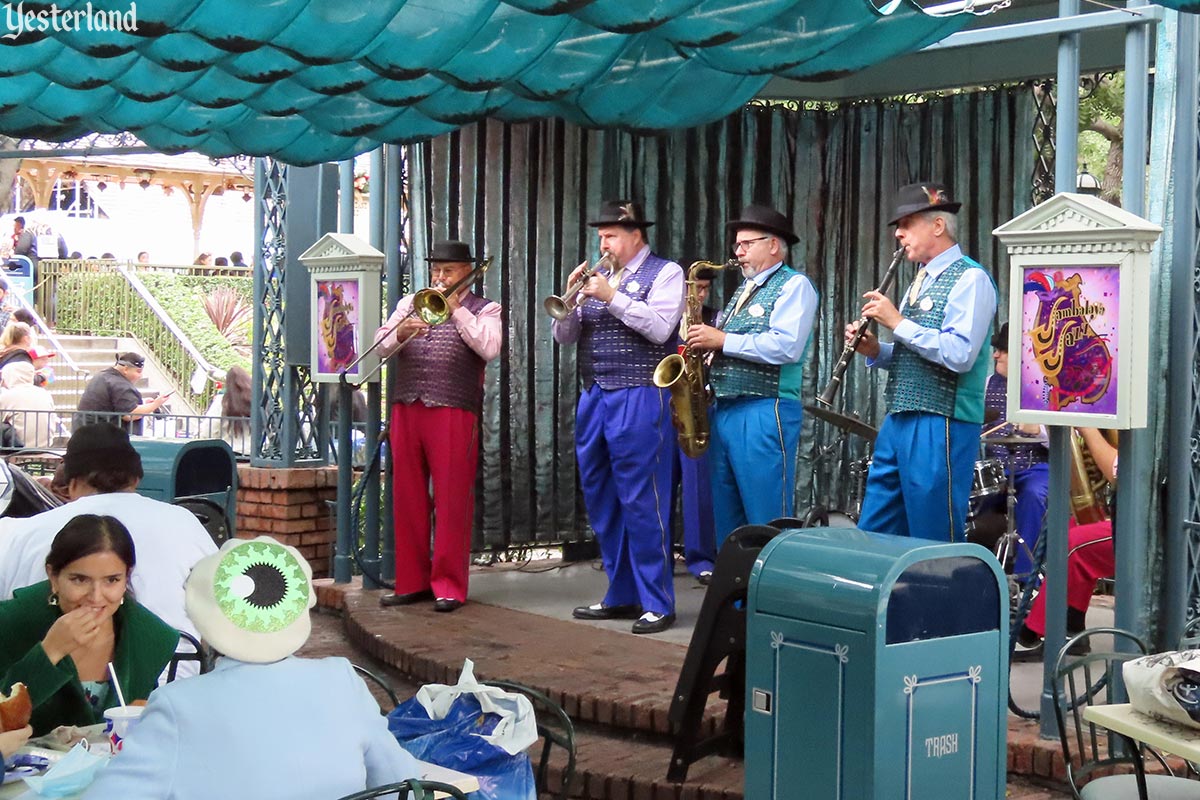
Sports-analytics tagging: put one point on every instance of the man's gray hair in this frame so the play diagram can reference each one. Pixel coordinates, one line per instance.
(951, 221)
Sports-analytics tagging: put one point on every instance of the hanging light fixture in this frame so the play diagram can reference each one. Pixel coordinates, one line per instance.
(1087, 183)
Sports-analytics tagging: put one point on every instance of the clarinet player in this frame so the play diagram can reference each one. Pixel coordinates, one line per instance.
(923, 463)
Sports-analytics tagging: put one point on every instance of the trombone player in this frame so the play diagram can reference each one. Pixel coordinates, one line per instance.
(437, 395)
(756, 374)
(624, 439)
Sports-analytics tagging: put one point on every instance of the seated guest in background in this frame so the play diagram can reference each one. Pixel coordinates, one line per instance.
(27, 407)
(1090, 557)
(113, 391)
(60, 634)
(277, 725)
(15, 343)
(102, 471)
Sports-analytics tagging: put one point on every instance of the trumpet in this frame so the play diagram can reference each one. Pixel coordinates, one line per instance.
(431, 306)
(561, 306)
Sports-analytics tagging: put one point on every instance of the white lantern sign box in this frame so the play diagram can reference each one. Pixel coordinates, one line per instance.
(345, 275)
(1079, 313)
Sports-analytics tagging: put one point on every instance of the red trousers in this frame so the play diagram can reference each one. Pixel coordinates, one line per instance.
(438, 446)
(1090, 557)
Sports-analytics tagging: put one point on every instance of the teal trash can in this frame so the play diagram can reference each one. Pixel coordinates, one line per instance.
(200, 474)
(876, 668)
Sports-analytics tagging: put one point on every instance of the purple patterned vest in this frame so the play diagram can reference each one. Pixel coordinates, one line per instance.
(613, 354)
(440, 369)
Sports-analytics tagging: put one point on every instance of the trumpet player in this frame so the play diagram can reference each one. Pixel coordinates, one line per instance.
(756, 374)
(922, 466)
(624, 439)
(437, 395)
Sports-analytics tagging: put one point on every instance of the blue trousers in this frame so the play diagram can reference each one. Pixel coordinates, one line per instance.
(752, 461)
(920, 479)
(624, 447)
(699, 533)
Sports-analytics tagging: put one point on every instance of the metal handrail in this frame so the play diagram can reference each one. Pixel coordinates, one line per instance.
(213, 373)
(44, 330)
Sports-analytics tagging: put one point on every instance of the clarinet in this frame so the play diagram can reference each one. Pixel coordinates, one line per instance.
(864, 326)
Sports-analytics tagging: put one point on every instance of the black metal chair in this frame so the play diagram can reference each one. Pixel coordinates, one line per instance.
(382, 683)
(1093, 679)
(199, 653)
(555, 728)
(420, 790)
(210, 514)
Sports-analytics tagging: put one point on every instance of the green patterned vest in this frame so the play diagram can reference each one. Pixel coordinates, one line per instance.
(737, 377)
(917, 384)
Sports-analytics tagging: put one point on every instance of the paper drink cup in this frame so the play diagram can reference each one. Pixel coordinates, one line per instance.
(119, 722)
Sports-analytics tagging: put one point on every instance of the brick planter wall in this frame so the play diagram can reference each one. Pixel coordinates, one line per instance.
(290, 505)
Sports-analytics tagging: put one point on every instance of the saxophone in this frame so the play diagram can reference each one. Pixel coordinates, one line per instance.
(683, 373)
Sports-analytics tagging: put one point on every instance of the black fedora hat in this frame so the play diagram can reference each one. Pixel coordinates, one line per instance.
(626, 213)
(451, 251)
(763, 218)
(917, 197)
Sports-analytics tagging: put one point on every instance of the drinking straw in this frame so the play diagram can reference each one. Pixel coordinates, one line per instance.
(112, 673)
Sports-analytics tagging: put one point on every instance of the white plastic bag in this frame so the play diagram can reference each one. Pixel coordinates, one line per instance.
(1166, 686)
(517, 729)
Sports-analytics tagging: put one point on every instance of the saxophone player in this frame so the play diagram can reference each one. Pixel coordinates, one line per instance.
(624, 439)
(756, 374)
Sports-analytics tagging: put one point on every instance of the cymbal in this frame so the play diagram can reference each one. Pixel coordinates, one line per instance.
(1011, 440)
(846, 422)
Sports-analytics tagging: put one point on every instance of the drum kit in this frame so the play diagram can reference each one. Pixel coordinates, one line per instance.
(852, 425)
(991, 511)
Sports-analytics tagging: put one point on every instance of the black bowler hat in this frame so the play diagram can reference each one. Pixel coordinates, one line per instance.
(763, 218)
(451, 251)
(917, 197)
(621, 212)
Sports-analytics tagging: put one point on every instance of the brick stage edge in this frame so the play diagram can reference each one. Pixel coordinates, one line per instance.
(615, 687)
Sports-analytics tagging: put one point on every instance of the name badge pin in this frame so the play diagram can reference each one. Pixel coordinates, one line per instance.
(633, 286)
(755, 310)
(926, 304)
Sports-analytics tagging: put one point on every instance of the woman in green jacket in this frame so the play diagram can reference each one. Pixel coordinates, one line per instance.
(58, 636)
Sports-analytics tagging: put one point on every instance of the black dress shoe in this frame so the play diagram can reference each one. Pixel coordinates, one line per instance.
(650, 622)
(447, 604)
(601, 611)
(705, 577)
(389, 600)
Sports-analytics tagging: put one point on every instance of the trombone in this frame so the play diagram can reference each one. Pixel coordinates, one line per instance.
(430, 305)
(561, 306)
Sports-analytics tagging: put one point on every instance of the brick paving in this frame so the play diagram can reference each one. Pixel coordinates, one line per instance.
(615, 687)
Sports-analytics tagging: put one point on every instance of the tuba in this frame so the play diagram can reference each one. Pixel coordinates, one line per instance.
(683, 374)
(1089, 488)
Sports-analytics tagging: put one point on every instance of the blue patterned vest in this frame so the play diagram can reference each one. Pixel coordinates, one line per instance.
(737, 377)
(917, 384)
(611, 353)
(441, 369)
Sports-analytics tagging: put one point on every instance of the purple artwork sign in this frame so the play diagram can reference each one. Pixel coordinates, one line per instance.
(337, 319)
(1069, 346)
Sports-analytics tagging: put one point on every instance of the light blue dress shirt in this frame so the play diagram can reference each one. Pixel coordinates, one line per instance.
(790, 325)
(970, 307)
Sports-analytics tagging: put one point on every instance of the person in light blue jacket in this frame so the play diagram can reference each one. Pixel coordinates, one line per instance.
(263, 723)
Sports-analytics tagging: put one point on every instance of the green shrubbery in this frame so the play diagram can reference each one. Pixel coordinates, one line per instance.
(104, 303)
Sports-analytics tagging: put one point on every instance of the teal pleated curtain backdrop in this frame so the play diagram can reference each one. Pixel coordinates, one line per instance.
(524, 192)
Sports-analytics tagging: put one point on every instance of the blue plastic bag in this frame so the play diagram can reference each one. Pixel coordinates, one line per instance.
(459, 739)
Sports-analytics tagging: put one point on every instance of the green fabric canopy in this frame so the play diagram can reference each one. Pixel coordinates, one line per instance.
(308, 81)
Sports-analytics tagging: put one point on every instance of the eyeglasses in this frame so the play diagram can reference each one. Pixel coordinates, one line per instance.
(744, 244)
